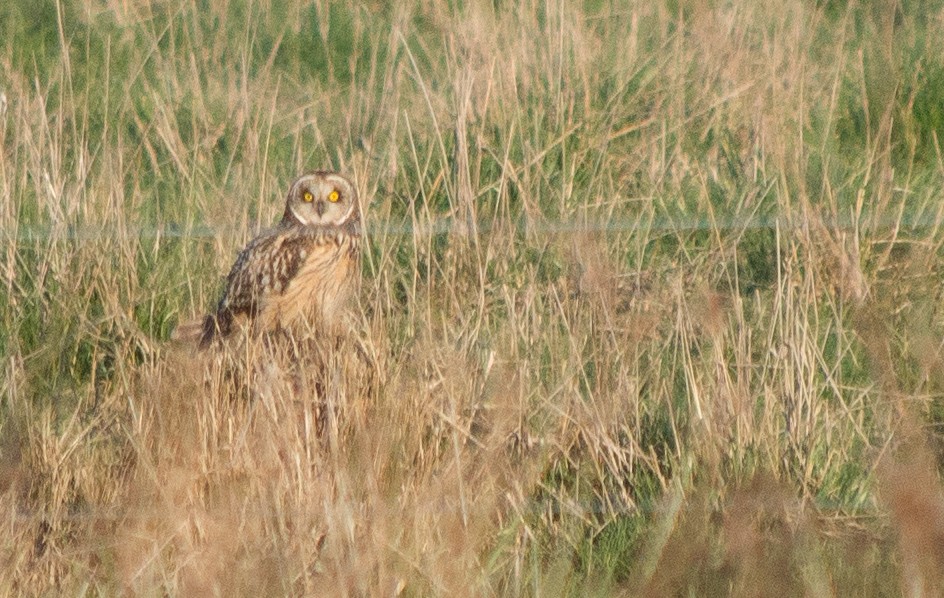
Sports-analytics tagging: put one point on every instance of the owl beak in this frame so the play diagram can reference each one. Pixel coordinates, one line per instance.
(320, 208)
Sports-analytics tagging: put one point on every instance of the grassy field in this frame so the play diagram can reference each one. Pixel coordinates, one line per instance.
(651, 298)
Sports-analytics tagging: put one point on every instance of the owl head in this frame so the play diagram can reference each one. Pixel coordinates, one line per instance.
(320, 198)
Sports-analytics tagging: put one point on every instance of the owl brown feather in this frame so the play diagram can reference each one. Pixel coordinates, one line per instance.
(264, 282)
(303, 270)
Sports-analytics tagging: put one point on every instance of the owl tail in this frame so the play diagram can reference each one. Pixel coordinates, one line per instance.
(188, 332)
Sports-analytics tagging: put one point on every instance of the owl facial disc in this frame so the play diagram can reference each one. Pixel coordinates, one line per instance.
(321, 199)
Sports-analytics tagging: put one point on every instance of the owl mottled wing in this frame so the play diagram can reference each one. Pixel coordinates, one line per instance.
(262, 270)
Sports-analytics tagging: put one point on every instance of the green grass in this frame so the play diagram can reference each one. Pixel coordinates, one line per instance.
(651, 293)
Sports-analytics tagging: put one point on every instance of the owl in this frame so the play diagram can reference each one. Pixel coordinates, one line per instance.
(303, 271)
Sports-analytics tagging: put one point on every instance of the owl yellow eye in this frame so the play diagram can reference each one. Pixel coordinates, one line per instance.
(308, 196)
(334, 196)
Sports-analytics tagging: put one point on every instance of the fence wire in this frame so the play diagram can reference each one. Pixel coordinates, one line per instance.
(550, 506)
(448, 225)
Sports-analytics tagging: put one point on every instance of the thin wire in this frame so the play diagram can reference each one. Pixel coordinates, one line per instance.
(533, 506)
(446, 225)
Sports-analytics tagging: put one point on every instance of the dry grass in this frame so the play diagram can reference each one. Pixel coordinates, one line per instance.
(649, 305)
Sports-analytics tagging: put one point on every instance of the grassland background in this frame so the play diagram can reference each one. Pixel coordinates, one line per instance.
(652, 291)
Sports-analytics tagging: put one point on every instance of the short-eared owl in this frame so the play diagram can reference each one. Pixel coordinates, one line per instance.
(303, 270)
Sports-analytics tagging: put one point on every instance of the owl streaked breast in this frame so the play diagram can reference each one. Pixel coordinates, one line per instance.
(320, 286)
